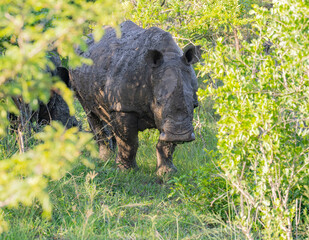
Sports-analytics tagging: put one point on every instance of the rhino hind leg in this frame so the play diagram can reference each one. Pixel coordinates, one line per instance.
(165, 152)
(126, 134)
(102, 134)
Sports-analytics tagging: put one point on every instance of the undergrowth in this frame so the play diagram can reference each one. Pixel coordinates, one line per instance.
(104, 203)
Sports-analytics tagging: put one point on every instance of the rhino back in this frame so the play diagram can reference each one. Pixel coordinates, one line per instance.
(119, 78)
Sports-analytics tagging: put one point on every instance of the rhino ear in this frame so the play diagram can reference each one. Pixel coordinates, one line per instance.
(191, 54)
(154, 58)
(63, 73)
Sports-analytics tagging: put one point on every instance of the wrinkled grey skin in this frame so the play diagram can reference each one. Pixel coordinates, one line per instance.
(141, 80)
(56, 109)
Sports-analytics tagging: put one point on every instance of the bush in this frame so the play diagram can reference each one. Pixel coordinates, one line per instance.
(255, 61)
(263, 130)
(28, 30)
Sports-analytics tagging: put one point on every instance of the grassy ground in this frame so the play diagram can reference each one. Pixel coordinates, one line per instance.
(104, 203)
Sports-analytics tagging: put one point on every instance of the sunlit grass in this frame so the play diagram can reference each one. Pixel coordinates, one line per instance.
(105, 203)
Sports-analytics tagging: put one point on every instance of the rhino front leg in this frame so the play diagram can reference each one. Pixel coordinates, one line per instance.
(126, 133)
(165, 152)
(102, 134)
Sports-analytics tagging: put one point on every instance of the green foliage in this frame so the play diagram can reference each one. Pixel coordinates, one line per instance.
(199, 22)
(263, 133)
(28, 31)
(262, 103)
(23, 177)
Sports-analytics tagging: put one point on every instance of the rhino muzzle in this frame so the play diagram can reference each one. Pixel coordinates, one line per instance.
(173, 131)
(170, 137)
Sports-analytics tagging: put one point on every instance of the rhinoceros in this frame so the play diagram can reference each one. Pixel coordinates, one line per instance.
(56, 109)
(139, 81)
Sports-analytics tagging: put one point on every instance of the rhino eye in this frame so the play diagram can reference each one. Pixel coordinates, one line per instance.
(154, 58)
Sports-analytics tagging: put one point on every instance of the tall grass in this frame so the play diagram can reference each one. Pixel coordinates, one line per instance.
(104, 203)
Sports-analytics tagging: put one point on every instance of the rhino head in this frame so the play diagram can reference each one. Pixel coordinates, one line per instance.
(174, 86)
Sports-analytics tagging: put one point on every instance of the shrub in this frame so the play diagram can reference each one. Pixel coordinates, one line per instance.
(263, 129)
(28, 30)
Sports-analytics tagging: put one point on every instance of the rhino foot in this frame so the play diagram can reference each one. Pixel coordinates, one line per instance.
(104, 153)
(126, 167)
(166, 170)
